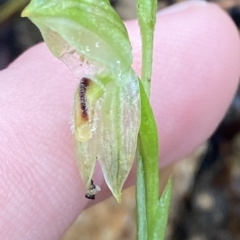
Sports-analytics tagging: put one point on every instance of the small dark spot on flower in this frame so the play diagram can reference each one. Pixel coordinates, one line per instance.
(84, 84)
(90, 196)
(92, 191)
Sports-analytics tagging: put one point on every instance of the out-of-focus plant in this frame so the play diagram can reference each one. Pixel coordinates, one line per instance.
(112, 115)
(10, 7)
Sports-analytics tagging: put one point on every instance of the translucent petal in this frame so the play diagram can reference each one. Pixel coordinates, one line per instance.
(119, 129)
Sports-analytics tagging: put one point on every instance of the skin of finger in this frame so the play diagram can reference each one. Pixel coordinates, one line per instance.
(193, 82)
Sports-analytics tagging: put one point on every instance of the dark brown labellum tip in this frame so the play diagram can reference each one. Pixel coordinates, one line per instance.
(90, 196)
(84, 84)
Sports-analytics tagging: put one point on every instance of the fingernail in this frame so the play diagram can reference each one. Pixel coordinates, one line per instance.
(178, 7)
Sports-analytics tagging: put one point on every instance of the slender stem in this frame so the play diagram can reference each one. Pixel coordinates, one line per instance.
(147, 61)
(147, 165)
(141, 207)
(147, 19)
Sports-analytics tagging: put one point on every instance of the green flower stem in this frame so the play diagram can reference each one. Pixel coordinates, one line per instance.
(140, 195)
(152, 212)
(147, 18)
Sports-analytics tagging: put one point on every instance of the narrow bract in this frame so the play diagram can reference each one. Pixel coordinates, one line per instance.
(91, 39)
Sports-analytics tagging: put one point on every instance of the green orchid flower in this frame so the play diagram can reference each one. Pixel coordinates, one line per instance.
(90, 38)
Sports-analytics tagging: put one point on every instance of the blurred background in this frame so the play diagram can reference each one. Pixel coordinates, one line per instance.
(206, 195)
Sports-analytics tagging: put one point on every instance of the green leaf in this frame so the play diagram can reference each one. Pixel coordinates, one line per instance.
(161, 216)
(154, 212)
(142, 231)
(148, 148)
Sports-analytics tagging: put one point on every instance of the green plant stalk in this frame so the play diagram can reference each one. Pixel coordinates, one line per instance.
(147, 18)
(152, 212)
(148, 138)
(141, 207)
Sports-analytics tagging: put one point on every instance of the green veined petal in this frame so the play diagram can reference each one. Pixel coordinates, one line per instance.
(110, 132)
(91, 27)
